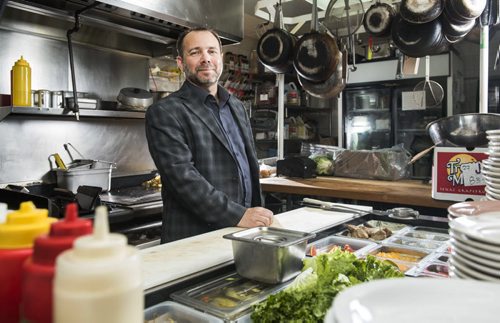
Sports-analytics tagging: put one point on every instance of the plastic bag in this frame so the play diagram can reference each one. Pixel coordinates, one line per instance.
(385, 164)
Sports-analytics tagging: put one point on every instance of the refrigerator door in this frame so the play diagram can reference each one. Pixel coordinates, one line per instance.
(410, 122)
(368, 119)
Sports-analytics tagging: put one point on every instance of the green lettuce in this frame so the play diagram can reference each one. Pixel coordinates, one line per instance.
(311, 294)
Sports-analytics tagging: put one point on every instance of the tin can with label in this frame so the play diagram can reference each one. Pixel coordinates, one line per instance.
(57, 99)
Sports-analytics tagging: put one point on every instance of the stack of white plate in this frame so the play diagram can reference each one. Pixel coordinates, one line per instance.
(475, 247)
(419, 300)
(491, 166)
(472, 208)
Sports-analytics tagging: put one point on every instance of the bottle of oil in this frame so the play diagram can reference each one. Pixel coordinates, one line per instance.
(21, 83)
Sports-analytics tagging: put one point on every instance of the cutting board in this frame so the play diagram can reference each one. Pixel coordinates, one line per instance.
(309, 219)
(178, 259)
(181, 258)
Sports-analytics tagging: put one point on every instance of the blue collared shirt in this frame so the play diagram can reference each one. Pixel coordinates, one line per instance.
(228, 125)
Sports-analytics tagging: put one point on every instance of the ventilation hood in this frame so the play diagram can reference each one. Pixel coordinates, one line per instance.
(147, 27)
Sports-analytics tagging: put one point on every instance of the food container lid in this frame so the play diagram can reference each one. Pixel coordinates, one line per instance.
(270, 236)
(227, 297)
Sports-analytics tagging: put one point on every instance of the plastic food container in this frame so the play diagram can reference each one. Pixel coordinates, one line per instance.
(426, 236)
(175, 312)
(324, 245)
(229, 297)
(269, 255)
(394, 227)
(403, 257)
(414, 243)
(430, 230)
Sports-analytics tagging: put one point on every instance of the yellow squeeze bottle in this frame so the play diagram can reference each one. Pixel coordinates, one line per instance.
(21, 83)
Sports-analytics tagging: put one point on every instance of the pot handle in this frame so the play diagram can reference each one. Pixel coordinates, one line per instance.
(278, 17)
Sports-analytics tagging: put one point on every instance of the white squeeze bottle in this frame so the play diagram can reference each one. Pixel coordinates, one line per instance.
(100, 279)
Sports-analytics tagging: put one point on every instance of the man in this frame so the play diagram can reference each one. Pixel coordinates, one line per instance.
(202, 144)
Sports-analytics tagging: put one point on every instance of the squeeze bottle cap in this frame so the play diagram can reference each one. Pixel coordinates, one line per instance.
(23, 226)
(22, 62)
(102, 243)
(61, 236)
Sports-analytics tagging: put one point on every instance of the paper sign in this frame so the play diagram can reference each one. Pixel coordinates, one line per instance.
(412, 100)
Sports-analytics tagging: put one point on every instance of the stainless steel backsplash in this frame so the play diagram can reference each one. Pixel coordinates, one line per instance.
(27, 141)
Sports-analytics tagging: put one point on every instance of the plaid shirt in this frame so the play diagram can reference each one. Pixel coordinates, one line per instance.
(201, 186)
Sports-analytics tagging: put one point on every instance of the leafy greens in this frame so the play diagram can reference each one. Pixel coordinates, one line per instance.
(310, 295)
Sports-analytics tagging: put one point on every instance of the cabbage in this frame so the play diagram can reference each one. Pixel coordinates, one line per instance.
(324, 165)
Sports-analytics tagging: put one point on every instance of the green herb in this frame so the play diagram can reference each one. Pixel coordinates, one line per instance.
(310, 295)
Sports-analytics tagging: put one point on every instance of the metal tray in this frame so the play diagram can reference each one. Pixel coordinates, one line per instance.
(227, 297)
(412, 256)
(175, 312)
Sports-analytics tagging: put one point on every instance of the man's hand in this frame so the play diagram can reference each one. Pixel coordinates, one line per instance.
(256, 217)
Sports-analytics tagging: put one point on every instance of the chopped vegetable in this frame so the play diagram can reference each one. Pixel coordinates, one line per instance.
(310, 295)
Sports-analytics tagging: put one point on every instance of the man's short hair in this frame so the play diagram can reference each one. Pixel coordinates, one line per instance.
(180, 40)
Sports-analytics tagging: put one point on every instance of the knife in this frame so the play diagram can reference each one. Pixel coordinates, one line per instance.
(342, 208)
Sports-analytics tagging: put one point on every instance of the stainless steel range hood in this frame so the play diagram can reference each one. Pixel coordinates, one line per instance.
(147, 27)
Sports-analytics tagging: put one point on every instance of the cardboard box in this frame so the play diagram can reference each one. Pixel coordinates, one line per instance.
(456, 174)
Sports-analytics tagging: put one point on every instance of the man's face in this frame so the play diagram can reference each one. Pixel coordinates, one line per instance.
(201, 60)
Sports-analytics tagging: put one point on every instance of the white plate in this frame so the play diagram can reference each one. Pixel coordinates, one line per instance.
(493, 189)
(491, 167)
(473, 273)
(492, 193)
(472, 265)
(489, 174)
(485, 228)
(493, 132)
(464, 239)
(455, 244)
(413, 300)
(491, 184)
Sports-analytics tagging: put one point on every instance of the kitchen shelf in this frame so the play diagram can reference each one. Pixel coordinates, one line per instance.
(270, 141)
(5, 111)
(290, 107)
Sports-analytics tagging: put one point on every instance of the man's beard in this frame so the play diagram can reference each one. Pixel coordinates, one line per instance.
(193, 77)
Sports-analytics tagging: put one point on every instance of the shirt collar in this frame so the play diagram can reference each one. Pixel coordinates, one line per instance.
(203, 94)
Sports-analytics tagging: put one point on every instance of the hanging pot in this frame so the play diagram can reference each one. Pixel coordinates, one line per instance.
(418, 40)
(275, 47)
(455, 31)
(316, 54)
(378, 19)
(331, 87)
(420, 12)
(467, 9)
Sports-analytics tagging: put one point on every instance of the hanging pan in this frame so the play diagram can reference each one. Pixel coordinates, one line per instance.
(316, 54)
(420, 12)
(331, 87)
(378, 19)
(275, 47)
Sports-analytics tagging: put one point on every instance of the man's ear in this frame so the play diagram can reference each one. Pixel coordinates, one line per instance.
(179, 63)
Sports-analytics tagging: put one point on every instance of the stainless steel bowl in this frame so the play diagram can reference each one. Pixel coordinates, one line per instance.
(269, 255)
(463, 130)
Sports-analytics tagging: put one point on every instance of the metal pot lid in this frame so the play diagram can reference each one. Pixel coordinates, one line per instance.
(135, 97)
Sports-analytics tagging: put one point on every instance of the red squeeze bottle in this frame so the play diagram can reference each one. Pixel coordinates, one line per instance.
(38, 270)
(16, 245)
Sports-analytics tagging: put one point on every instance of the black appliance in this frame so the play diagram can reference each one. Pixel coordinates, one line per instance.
(303, 167)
